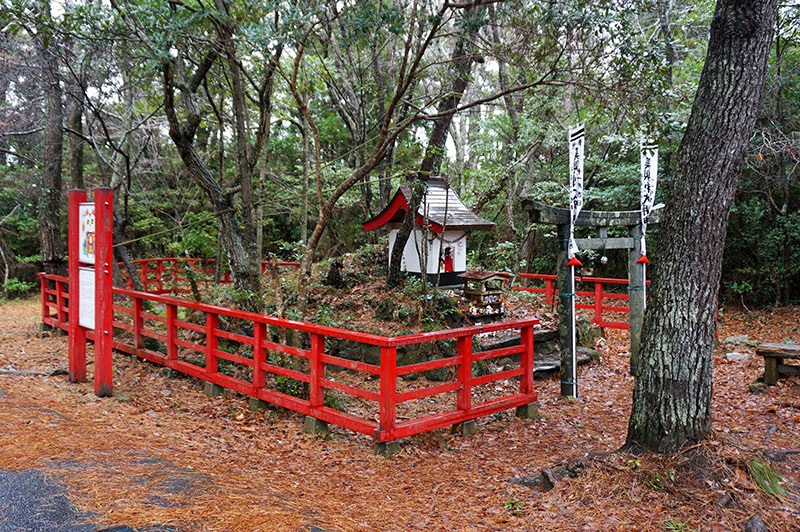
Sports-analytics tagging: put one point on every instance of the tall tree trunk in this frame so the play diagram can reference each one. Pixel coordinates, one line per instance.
(462, 60)
(76, 143)
(672, 393)
(53, 249)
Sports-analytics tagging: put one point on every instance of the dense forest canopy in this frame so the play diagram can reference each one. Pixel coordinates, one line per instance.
(270, 130)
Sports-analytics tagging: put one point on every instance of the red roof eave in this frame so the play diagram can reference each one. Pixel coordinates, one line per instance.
(398, 202)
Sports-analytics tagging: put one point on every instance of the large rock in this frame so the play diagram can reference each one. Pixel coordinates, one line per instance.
(588, 333)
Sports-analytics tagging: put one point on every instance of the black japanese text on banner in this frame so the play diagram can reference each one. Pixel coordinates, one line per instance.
(576, 142)
(649, 167)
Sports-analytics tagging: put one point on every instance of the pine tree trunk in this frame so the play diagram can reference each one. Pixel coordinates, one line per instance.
(672, 393)
(53, 248)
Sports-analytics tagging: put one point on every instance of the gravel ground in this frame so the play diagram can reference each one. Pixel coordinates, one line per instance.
(30, 502)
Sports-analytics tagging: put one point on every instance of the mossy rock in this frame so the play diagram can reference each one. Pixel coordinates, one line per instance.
(448, 309)
(588, 333)
(384, 310)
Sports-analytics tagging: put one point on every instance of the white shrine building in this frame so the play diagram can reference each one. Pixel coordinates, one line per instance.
(439, 240)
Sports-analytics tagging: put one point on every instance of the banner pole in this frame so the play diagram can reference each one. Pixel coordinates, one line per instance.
(574, 337)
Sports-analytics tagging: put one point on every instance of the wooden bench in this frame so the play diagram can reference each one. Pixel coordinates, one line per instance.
(774, 354)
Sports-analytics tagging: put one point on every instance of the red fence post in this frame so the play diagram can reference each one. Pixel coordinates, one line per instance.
(172, 332)
(388, 388)
(212, 320)
(464, 397)
(526, 360)
(138, 308)
(60, 308)
(598, 302)
(159, 275)
(548, 291)
(45, 296)
(317, 370)
(259, 335)
(104, 299)
(145, 281)
(77, 334)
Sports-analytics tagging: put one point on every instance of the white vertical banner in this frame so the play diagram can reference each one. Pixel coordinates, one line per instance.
(649, 168)
(576, 138)
(576, 144)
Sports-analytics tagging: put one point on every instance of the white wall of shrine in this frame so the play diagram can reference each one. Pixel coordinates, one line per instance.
(413, 254)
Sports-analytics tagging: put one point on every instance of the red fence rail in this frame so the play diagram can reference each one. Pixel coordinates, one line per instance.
(240, 351)
(597, 294)
(163, 275)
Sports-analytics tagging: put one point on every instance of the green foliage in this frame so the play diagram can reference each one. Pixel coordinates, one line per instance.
(661, 481)
(766, 478)
(14, 288)
(515, 507)
(673, 525)
(502, 257)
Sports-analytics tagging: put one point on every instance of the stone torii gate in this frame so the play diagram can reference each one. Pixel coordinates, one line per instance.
(560, 217)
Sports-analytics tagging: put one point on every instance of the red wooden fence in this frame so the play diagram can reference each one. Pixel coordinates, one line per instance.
(239, 351)
(163, 275)
(597, 294)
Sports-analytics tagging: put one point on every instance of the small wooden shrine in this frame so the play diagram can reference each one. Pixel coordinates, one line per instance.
(438, 244)
(484, 291)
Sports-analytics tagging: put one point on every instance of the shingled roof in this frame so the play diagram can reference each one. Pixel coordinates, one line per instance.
(441, 206)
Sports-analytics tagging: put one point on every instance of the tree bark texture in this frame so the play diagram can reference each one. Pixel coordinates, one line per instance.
(672, 394)
(53, 248)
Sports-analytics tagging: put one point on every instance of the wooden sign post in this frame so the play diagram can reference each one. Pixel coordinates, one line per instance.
(90, 269)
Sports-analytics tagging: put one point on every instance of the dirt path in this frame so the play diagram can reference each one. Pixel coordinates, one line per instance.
(162, 454)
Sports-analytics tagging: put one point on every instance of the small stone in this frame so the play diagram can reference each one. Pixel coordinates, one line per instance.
(743, 339)
(738, 357)
(758, 387)
(755, 524)
(725, 500)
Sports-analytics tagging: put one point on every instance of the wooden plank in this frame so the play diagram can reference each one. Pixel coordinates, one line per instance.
(238, 359)
(351, 364)
(317, 371)
(771, 370)
(500, 375)
(286, 372)
(104, 299)
(212, 320)
(546, 214)
(607, 243)
(388, 400)
(172, 332)
(429, 391)
(498, 353)
(349, 390)
(779, 350)
(259, 355)
(443, 419)
(786, 369)
(464, 398)
(429, 365)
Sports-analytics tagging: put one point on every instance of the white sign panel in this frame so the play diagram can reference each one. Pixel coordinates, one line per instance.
(86, 233)
(86, 297)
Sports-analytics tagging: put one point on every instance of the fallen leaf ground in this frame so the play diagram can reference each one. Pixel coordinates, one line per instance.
(161, 453)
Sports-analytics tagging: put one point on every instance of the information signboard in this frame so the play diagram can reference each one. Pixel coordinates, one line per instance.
(86, 233)
(86, 297)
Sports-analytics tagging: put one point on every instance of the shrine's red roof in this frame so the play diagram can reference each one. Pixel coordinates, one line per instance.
(440, 206)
